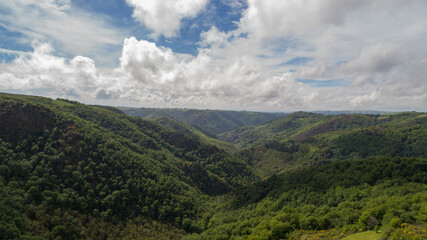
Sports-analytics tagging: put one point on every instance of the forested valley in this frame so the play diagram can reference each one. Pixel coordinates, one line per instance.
(75, 171)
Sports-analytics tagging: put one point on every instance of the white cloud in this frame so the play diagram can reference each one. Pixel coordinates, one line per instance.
(147, 63)
(164, 17)
(159, 76)
(72, 30)
(154, 76)
(378, 47)
(40, 69)
(270, 18)
(377, 58)
(214, 37)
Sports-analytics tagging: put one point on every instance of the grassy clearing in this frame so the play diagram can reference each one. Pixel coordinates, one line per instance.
(369, 235)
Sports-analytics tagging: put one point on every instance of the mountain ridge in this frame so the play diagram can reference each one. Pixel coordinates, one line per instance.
(215, 121)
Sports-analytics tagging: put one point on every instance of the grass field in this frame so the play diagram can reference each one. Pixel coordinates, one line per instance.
(369, 235)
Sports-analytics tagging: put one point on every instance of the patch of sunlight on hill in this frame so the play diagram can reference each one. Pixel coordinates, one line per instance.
(368, 235)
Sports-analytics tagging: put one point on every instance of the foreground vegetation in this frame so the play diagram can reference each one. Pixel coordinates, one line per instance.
(350, 196)
(65, 166)
(72, 171)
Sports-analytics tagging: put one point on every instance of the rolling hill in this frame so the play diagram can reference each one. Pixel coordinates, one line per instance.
(75, 171)
(69, 169)
(214, 121)
(308, 139)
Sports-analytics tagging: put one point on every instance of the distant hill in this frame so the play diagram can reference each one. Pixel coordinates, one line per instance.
(331, 112)
(214, 121)
(195, 132)
(277, 129)
(308, 139)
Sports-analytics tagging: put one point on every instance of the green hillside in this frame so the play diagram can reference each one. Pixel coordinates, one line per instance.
(309, 139)
(214, 121)
(196, 132)
(329, 202)
(65, 165)
(304, 126)
(74, 171)
(278, 129)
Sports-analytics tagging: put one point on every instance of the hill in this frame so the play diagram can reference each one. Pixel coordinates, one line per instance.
(310, 139)
(366, 112)
(71, 171)
(196, 132)
(74, 171)
(329, 202)
(214, 121)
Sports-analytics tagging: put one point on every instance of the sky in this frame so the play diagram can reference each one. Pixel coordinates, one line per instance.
(263, 55)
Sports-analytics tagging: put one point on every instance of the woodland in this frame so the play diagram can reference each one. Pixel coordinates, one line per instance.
(75, 171)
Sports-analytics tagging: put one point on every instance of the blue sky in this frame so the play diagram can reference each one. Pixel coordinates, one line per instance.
(222, 54)
(218, 13)
(324, 83)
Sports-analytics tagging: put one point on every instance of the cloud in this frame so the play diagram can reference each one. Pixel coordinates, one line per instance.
(157, 75)
(377, 58)
(269, 18)
(214, 37)
(40, 69)
(72, 30)
(284, 55)
(235, 4)
(151, 75)
(147, 63)
(164, 17)
(377, 46)
(332, 30)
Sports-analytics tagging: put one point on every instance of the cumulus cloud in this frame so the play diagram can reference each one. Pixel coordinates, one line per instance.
(157, 76)
(40, 69)
(147, 63)
(356, 41)
(73, 30)
(154, 76)
(164, 17)
(214, 37)
(269, 18)
(376, 46)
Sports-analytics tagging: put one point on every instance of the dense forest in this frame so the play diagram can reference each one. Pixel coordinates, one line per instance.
(74, 171)
(212, 121)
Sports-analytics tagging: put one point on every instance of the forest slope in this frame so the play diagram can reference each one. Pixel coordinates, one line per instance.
(73, 171)
(329, 202)
(214, 121)
(310, 139)
(64, 164)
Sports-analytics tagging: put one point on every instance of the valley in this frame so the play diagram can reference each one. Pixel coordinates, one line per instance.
(75, 171)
